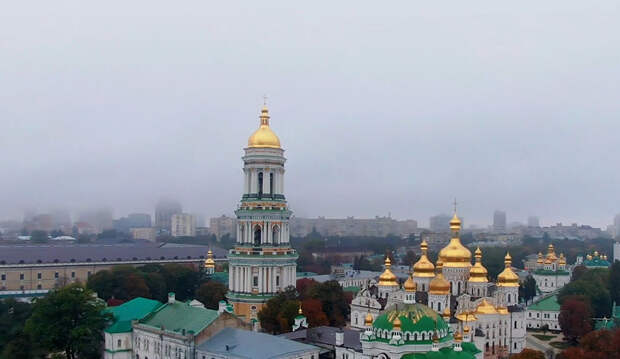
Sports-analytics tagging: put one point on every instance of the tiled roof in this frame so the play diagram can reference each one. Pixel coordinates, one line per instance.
(179, 316)
(238, 343)
(135, 309)
(548, 304)
(55, 253)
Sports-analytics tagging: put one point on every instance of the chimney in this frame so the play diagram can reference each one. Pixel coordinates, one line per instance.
(222, 306)
(171, 299)
(339, 338)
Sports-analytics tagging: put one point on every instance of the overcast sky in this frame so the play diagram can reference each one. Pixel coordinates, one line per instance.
(381, 106)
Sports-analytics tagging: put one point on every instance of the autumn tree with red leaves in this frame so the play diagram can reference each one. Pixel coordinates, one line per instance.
(599, 344)
(575, 318)
(528, 354)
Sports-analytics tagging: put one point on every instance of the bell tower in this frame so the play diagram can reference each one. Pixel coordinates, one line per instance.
(263, 261)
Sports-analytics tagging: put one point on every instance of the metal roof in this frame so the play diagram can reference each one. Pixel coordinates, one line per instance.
(77, 253)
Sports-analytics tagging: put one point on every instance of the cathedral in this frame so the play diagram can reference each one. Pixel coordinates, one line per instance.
(262, 262)
(473, 310)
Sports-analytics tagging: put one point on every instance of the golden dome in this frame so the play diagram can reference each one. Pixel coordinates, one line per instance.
(485, 308)
(396, 324)
(410, 285)
(466, 329)
(589, 257)
(458, 337)
(264, 136)
(423, 267)
(508, 278)
(209, 262)
(466, 316)
(562, 259)
(439, 285)
(455, 254)
(551, 253)
(478, 273)
(502, 310)
(596, 253)
(446, 314)
(540, 258)
(387, 278)
(368, 320)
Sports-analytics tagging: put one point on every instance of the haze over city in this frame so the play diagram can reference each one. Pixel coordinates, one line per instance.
(381, 109)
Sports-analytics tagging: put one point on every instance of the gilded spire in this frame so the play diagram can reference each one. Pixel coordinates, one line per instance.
(264, 136)
(387, 278)
(508, 278)
(300, 312)
(478, 273)
(424, 267)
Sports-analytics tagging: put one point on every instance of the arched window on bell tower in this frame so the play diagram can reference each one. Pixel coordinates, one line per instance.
(260, 184)
(276, 235)
(257, 235)
(271, 184)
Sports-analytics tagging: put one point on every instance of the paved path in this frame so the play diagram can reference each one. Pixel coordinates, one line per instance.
(537, 344)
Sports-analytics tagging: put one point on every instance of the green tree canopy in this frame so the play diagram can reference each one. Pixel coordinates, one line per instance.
(211, 293)
(69, 320)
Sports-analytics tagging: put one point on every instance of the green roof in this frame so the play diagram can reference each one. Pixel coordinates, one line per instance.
(221, 277)
(469, 352)
(548, 304)
(180, 316)
(305, 274)
(353, 289)
(135, 309)
(596, 262)
(413, 317)
(609, 323)
(551, 272)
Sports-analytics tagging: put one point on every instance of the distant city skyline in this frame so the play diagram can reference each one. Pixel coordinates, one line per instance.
(380, 108)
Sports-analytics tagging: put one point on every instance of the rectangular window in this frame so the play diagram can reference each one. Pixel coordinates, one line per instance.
(39, 286)
(88, 274)
(255, 281)
(277, 280)
(21, 276)
(56, 275)
(38, 275)
(3, 276)
(72, 274)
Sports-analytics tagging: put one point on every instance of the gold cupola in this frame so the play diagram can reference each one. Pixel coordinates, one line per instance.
(455, 254)
(562, 260)
(209, 262)
(439, 284)
(551, 254)
(368, 320)
(540, 259)
(410, 285)
(387, 278)
(508, 278)
(478, 273)
(396, 324)
(264, 137)
(485, 308)
(424, 267)
(446, 314)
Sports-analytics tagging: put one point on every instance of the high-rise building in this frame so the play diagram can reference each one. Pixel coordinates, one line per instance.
(533, 221)
(183, 225)
(133, 220)
(440, 223)
(262, 262)
(223, 225)
(499, 221)
(616, 227)
(163, 213)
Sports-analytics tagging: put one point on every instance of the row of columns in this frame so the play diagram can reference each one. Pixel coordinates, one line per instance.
(251, 180)
(245, 232)
(241, 278)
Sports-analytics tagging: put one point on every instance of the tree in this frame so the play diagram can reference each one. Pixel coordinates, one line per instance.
(303, 286)
(211, 293)
(527, 289)
(70, 320)
(528, 354)
(545, 328)
(39, 237)
(313, 310)
(599, 344)
(578, 272)
(14, 343)
(593, 286)
(181, 280)
(575, 318)
(334, 301)
(614, 282)
(278, 314)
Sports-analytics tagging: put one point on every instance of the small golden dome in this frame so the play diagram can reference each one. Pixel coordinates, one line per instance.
(540, 258)
(410, 285)
(396, 324)
(368, 320)
(458, 337)
(209, 262)
(596, 253)
(466, 316)
(478, 273)
(423, 267)
(589, 257)
(485, 308)
(446, 313)
(300, 312)
(508, 278)
(455, 254)
(466, 329)
(439, 285)
(387, 278)
(562, 259)
(551, 254)
(264, 137)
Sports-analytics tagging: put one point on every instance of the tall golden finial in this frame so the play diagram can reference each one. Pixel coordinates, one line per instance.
(455, 203)
(300, 311)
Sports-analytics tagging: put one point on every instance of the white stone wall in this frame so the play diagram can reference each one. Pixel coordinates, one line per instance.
(346, 353)
(550, 283)
(537, 319)
(118, 346)
(152, 346)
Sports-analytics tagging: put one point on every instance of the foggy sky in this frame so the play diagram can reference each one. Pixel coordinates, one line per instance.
(381, 106)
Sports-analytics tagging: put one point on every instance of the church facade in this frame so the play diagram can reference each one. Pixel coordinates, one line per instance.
(485, 314)
(262, 261)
